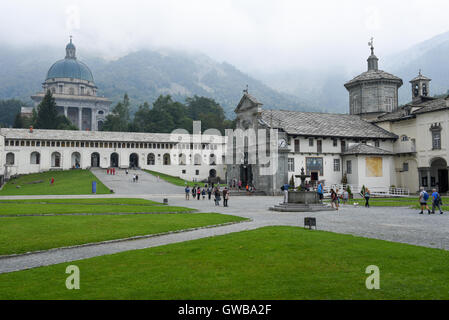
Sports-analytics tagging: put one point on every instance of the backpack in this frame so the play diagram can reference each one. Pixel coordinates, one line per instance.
(282, 188)
(425, 195)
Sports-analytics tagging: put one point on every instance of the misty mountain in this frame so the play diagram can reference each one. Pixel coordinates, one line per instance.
(325, 88)
(144, 75)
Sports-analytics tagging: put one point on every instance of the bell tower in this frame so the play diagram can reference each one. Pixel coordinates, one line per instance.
(420, 87)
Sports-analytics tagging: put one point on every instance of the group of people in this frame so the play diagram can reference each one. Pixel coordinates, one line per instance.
(198, 193)
(110, 171)
(337, 197)
(435, 198)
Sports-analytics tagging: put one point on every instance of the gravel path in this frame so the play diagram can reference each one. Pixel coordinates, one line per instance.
(393, 224)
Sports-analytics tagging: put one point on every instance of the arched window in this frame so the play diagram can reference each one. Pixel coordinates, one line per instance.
(167, 160)
(182, 159)
(197, 159)
(212, 160)
(150, 159)
(10, 159)
(404, 138)
(35, 158)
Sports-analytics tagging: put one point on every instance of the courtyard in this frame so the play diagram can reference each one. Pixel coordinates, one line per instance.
(131, 235)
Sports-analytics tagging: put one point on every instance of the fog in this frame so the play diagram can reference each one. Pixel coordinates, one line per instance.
(254, 35)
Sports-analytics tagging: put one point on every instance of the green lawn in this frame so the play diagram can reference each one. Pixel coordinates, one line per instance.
(90, 201)
(66, 182)
(174, 180)
(24, 234)
(31, 208)
(268, 263)
(397, 202)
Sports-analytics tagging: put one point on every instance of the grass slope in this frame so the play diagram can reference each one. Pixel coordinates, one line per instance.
(66, 182)
(268, 263)
(174, 180)
(24, 234)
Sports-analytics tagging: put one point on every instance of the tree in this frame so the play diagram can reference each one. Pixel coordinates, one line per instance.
(47, 116)
(118, 120)
(9, 110)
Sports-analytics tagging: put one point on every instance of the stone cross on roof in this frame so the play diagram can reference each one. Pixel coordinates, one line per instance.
(371, 44)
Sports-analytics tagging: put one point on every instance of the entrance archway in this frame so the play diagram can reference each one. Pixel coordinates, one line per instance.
(95, 160)
(114, 160)
(76, 160)
(133, 160)
(439, 175)
(56, 160)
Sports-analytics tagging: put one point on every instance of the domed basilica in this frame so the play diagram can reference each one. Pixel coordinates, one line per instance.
(72, 84)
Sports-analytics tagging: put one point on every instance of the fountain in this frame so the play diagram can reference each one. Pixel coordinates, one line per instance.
(301, 200)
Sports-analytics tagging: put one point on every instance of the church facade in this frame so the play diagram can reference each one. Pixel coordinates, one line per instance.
(379, 144)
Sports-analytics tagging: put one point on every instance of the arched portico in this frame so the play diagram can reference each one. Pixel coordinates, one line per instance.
(114, 160)
(76, 160)
(95, 160)
(133, 160)
(435, 175)
(439, 174)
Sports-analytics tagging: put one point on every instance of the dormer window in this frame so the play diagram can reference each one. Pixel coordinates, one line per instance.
(404, 138)
(424, 89)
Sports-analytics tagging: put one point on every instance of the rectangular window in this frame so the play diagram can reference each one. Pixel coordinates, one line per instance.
(197, 172)
(424, 181)
(296, 145)
(436, 140)
(348, 167)
(183, 172)
(405, 166)
(335, 142)
(343, 146)
(319, 146)
(291, 165)
(310, 142)
(337, 165)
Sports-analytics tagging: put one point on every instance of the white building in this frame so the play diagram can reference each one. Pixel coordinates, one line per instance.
(191, 157)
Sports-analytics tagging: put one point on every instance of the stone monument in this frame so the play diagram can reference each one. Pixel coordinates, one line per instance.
(302, 200)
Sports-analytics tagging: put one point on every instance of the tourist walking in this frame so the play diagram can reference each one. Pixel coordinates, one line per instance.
(187, 190)
(198, 193)
(334, 199)
(320, 192)
(209, 192)
(285, 189)
(240, 185)
(203, 193)
(436, 201)
(225, 197)
(345, 196)
(367, 196)
(423, 197)
(217, 196)
(194, 192)
(134, 178)
(137, 177)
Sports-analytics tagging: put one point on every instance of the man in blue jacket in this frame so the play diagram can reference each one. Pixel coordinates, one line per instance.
(436, 201)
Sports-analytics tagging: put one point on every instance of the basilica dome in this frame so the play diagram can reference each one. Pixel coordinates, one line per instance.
(70, 67)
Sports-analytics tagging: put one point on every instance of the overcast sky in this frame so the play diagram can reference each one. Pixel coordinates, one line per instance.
(251, 34)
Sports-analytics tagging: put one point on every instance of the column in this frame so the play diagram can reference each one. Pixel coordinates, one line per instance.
(65, 111)
(80, 116)
(93, 126)
(428, 179)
